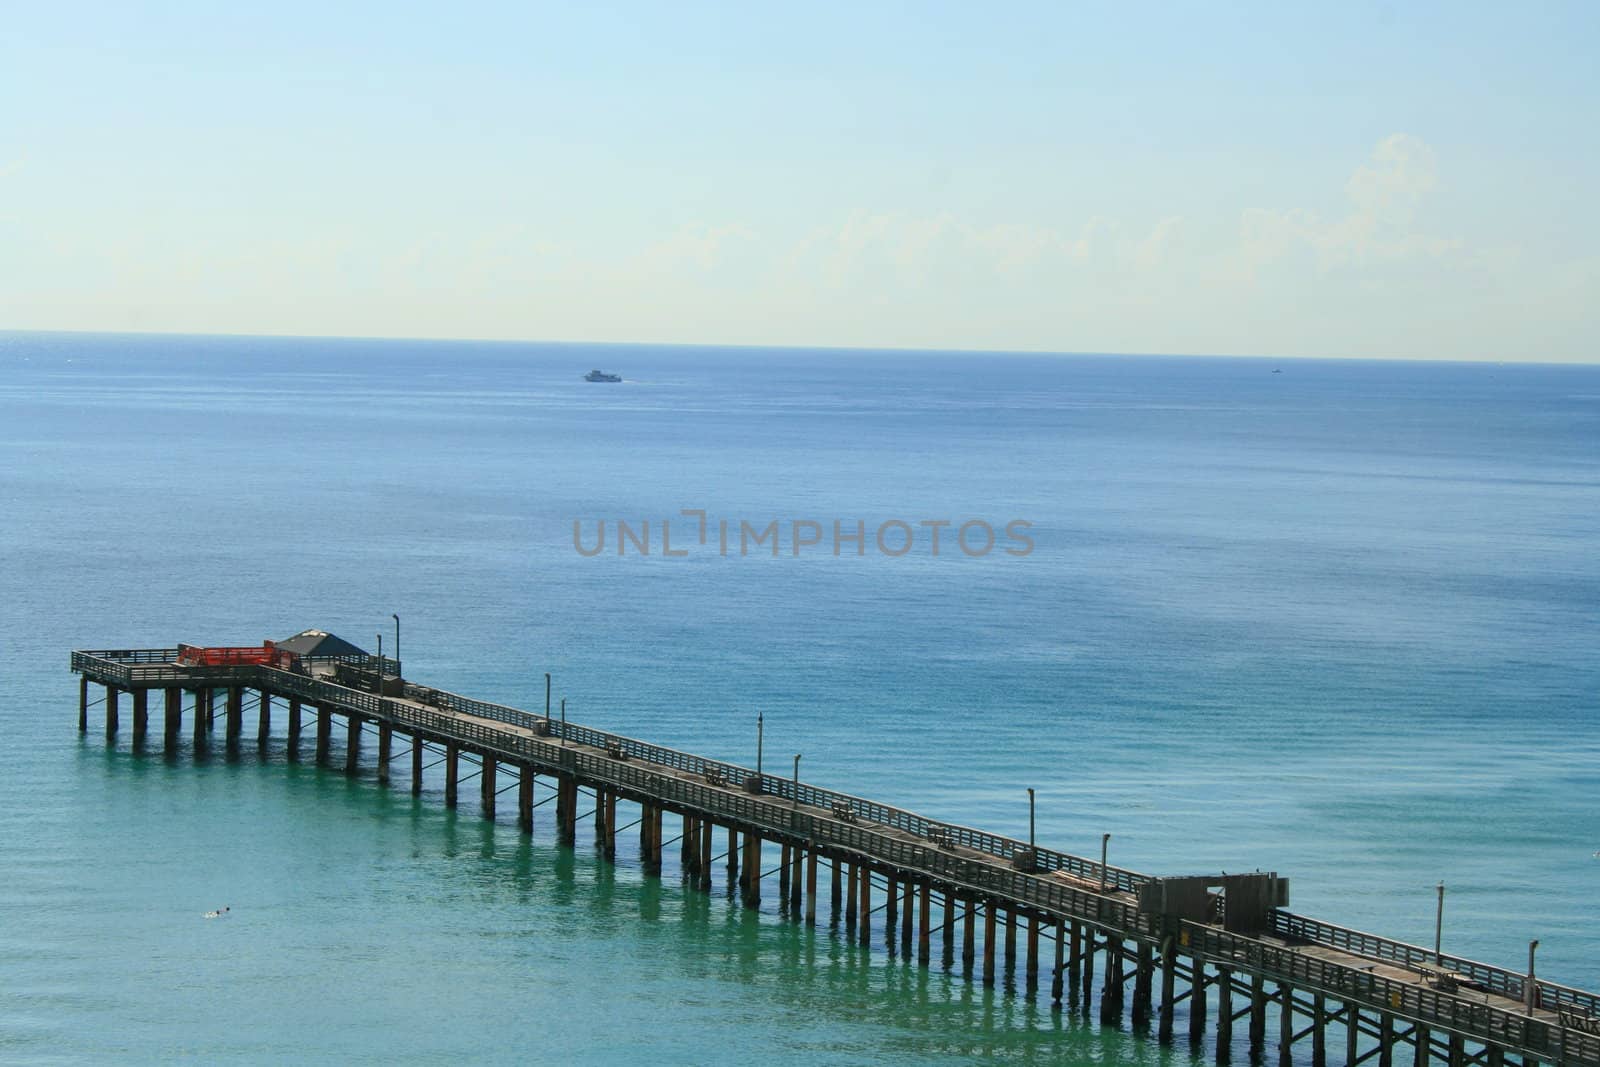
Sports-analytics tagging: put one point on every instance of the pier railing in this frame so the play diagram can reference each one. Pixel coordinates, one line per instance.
(1484, 976)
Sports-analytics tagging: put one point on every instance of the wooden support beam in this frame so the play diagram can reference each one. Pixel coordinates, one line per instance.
(1285, 1026)
(1352, 1036)
(925, 923)
(785, 857)
(141, 716)
(988, 942)
(797, 859)
(525, 779)
(1089, 949)
(567, 810)
(1168, 978)
(949, 922)
(324, 731)
(1385, 1038)
(752, 851)
(891, 909)
(352, 744)
(235, 714)
(1058, 975)
(111, 712)
(1421, 1046)
(417, 749)
(1458, 1050)
(811, 887)
(1030, 965)
(1319, 1031)
(1074, 960)
(1197, 1000)
(294, 729)
(864, 912)
(1011, 943)
(1111, 999)
(688, 847)
(907, 905)
(707, 828)
(1144, 964)
(83, 703)
(452, 773)
(837, 889)
(172, 725)
(1224, 1015)
(263, 717)
(611, 825)
(733, 866)
(486, 786)
(1258, 1016)
(969, 939)
(385, 749)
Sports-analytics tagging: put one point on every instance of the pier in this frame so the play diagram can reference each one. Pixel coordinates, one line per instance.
(1192, 958)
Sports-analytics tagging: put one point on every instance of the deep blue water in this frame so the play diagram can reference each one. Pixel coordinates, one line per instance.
(1339, 621)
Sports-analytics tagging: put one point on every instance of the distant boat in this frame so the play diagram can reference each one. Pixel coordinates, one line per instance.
(601, 376)
(1275, 370)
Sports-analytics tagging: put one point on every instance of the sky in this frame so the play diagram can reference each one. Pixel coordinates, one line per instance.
(1364, 180)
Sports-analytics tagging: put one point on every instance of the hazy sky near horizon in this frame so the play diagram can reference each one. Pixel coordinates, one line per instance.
(1365, 180)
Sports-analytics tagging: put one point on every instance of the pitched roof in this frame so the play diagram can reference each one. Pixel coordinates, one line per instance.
(320, 643)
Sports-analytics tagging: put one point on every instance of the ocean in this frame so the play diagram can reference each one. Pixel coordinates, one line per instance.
(1336, 619)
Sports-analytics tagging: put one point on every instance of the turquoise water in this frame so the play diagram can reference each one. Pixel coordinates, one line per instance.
(1338, 621)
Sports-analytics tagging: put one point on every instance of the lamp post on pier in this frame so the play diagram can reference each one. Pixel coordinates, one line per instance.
(1030, 821)
(1105, 841)
(1438, 929)
(796, 781)
(396, 619)
(760, 732)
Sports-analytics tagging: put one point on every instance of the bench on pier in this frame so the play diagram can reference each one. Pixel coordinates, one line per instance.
(844, 812)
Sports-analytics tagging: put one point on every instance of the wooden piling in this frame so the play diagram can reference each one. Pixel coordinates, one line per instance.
(1224, 1015)
(418, 749)
(486, 785)
(988, 942)
(1169, 966)
(385, 747)
(907, 906)
(1258, 1015)
(785, 853)
(294, 729)
(1285, 1026)
(837, 889)
(1089, 949)
(525, 780)
(263, 718)
(707, 830)
(1142, 969)
(752, 850)
(811, 887)
(141, 715)
(948, 921)
(172, 724)
(83, 703)
(324, 730)
(111, 712)
(924, 923)
(851, 897)
(352, 743)
(1197, 999)
(1030, 960)
(1422, 1048)
(1352, 1034)
(1074, 959)
(1011, 943)
(969, 934)
(236, 714)
(795, 890)
(452, 773)
(611, 825)
(891, 909)
(1058, 974)
(1319, 1031)
(864, 918)
(1111, 992)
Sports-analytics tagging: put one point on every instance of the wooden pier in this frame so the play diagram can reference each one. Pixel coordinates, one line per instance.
(1220, 956)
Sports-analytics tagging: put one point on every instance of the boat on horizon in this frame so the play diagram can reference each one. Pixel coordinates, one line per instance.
(601, 376)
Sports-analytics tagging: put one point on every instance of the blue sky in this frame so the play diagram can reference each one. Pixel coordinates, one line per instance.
(1364, 180)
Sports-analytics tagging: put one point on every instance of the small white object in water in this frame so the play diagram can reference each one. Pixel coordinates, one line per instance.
(216, 914)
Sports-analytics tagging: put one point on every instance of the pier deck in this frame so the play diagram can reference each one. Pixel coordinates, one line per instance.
(1219, 946)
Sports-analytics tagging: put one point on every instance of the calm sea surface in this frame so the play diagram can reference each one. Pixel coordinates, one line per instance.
(1341, 622)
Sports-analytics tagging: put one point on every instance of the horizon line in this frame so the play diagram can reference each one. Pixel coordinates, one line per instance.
(888, 349)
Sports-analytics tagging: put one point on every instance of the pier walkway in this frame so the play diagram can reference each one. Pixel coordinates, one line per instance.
(1206, 951)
